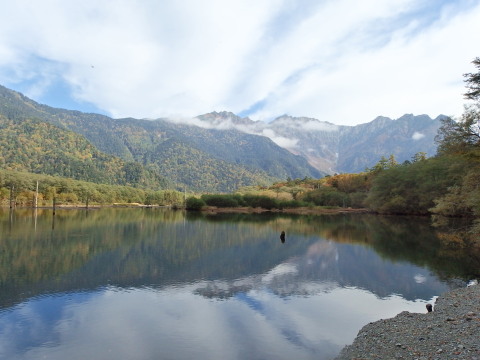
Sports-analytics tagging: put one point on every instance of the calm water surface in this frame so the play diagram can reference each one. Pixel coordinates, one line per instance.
(157, 284)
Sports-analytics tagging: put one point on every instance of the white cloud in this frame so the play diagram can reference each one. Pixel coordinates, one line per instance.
(285, 142)
(280, 140)
(420, 279)
(147, 323)
(339, 61)
(319, 126)
(417, 135)
(420, 75)
(280, 270)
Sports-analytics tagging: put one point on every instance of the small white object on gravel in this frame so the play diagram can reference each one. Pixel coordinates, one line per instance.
(451, 331)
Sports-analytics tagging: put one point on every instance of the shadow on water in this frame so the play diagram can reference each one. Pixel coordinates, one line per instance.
(78, 249)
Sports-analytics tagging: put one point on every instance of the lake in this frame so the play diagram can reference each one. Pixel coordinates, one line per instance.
(163, 284)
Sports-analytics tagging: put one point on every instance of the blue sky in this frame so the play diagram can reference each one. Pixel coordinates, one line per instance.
(341, 61)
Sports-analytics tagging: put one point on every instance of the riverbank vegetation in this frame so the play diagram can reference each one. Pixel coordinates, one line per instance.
(20, 189)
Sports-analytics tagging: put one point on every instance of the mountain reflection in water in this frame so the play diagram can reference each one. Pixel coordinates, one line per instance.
(151, 283)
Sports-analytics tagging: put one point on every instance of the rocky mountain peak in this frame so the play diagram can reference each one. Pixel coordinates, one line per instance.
(304, 123)
(225, 119)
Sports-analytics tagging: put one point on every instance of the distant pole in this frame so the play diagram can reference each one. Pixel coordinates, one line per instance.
(12, 189)
(10, 219)
(35, 214)
(54, 203)
(36, 196)
(86, 203)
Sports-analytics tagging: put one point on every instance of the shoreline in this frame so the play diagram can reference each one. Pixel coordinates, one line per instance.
(451, 331)
(297, 211)
(89, 207)
(206, 209)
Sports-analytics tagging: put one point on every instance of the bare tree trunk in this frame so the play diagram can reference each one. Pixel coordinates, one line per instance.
(12, 202)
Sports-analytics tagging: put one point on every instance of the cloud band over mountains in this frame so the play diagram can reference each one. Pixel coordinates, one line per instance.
(342, 61)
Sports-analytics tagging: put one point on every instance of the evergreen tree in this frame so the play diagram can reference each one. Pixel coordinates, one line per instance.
(473, 82)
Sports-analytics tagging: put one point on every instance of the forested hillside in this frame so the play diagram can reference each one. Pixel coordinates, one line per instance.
(209, 160)
(39, 147)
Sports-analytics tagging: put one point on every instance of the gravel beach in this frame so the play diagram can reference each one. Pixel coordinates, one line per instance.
(451, 331)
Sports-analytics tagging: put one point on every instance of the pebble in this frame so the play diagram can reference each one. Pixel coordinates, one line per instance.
(451, 331)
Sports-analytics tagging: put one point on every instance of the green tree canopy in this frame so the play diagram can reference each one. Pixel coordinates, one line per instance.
(463, 136)
(473, 82)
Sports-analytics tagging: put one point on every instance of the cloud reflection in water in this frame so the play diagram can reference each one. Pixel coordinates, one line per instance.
(251, 318)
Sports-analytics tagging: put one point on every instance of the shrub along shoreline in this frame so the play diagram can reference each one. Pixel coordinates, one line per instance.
(298, 210)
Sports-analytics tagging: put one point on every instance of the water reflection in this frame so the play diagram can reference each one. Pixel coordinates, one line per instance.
(143, 284)
(145, 323)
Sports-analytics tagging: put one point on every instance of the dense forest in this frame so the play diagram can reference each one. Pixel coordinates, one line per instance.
(20, 189)
(35, 146)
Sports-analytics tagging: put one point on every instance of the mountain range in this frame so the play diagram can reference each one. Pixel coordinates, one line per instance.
(219, 151)
(340, 149)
